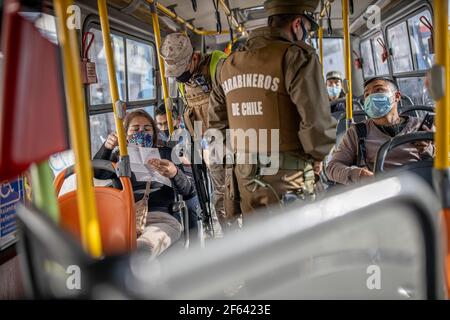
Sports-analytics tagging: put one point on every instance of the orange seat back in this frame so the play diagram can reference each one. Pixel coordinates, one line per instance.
(116, 215)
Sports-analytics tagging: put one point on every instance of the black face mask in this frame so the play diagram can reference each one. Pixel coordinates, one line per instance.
(185, 77)
(304, 31)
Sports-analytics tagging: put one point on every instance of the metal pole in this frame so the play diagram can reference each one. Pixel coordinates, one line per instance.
(440, 82)
(321, 46)
(89, 226)
(348, 61)
(118, 106)
(157, 33)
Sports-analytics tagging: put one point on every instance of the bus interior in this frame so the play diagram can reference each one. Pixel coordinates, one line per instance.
(52, 125)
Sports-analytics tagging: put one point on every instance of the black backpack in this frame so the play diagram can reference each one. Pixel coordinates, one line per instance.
(361, 131)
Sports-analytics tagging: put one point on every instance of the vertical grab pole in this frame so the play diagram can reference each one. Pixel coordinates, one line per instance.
(321, 44)
(348, 61)
(440, 88)
(118, 106)
(157, 32)
(90, 229)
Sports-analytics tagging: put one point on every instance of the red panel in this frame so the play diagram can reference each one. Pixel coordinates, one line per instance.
(32, 117)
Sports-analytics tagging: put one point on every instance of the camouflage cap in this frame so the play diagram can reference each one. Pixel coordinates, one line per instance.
(176, 51)
(303, 7)
(334, 75)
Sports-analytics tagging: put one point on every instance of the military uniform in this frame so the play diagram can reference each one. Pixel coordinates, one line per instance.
(195, 94)
(273, 84)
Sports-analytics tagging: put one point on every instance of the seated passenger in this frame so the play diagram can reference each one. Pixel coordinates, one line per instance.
(163, 124)
(335, 92)
(162, 228)
(381, 102)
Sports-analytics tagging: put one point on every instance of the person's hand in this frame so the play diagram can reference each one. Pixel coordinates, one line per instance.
(365, 173)
(318, 167)
(164, 167)
(422, 146)
(112, 141)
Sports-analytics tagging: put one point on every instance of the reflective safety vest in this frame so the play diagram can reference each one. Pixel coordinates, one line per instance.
(257, 101)
(196, 98)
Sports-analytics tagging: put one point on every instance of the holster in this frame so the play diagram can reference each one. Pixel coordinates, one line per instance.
(232, 197)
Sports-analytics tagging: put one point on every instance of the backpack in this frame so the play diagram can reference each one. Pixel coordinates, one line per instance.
(361, 131)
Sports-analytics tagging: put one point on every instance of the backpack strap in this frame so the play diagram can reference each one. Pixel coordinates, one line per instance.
(361, 131)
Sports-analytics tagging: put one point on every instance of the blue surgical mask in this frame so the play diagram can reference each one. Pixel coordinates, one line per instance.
(141, 139)
(334, 92)
(378, 105)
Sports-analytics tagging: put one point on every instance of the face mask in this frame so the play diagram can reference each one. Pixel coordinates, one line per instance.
(185, 77)
(334, 92)
(164, 135)
(304, 31)
(141, 139)
(378, 105)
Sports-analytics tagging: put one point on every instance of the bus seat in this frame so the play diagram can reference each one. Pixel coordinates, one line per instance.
(406, 101)
(46, 252)
(423, 169)
(418, 111)
(32, 108)
(115, 209)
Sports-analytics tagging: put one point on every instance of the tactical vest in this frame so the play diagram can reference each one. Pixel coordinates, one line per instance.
(196, 99)
(256, 96)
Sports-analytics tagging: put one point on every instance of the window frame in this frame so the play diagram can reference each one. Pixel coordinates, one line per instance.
(405, 18)
(373, 38)
(406, 12)
(368, 39)
(333, 38)
(390, 27)
(108, 107)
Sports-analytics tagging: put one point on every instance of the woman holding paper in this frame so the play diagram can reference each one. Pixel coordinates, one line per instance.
(162, 228)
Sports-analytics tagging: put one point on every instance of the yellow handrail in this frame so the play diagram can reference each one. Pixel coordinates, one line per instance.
(89, 226)
(118, 113)
(348, 60)
(321, 45)
(184, 22)
(157, 34)
(442, 138)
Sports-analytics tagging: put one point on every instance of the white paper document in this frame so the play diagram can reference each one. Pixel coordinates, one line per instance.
(143, 172)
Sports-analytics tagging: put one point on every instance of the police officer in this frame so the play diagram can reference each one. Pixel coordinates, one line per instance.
(335, 91)
(275, 83)
(194, 71)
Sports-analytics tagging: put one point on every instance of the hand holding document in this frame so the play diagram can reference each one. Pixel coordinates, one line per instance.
(139, 159)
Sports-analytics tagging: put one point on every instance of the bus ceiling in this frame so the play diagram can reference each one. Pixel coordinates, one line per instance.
(246, 15)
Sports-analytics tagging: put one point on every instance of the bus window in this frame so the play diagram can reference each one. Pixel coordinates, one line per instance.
(333, 51)
(101, 125)
(380, 66)
(401, 51)
(141, 71)
(99, 92)
(368, 64)
(420, 35)
(414, 87)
